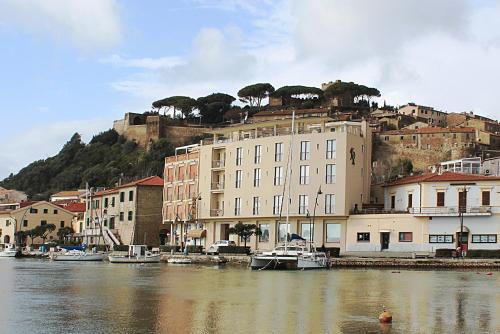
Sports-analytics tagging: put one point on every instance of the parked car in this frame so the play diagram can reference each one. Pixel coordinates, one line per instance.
(214, 248)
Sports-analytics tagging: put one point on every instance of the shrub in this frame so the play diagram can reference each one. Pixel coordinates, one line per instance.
(444, 252)
(484, 253)
(234, 250)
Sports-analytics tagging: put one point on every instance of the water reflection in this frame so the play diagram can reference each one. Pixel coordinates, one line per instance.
(49, 297)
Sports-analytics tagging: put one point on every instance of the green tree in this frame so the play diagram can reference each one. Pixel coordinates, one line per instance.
(183, 104)
(46, 230)
(254, 94)
(212, 107)
(245, 231)
(65, 232)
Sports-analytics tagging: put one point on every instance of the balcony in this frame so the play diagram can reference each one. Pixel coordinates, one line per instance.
(218, 163)
(444, 211)
(217, 187)
(216, 212)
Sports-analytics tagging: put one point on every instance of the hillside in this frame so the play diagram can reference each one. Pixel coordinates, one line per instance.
(102, 162)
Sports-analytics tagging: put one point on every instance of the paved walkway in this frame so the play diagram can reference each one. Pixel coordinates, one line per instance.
(391, 255)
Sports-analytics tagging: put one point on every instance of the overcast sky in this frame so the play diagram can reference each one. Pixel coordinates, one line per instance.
(74, 66)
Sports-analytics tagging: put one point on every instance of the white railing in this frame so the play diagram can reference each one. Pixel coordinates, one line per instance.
(451, 210)
(216, 212)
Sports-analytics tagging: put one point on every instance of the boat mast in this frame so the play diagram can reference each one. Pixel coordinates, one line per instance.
(289, 172)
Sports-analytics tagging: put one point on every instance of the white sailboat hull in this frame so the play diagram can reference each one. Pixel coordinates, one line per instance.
(8, 253)
(134, 259)
(79, 257)
(277, 262)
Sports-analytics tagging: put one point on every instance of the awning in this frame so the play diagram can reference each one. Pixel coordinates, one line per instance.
(466, 229)
(384, 231)
(197, 234)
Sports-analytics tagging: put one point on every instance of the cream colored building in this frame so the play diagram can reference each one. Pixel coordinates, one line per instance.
(128, 214)
(422, 213)
(433, 117)
(7, 227)
(242, 173)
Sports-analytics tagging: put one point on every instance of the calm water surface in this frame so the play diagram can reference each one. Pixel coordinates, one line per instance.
(40, 296)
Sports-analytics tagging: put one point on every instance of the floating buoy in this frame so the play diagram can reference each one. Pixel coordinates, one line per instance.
(385, 317)
(489, 274)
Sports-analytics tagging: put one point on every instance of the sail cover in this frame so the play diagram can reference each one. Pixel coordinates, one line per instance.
(294, 236)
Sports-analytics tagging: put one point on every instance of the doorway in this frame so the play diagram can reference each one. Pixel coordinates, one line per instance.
(384, 240)
(465, 240)
(224, 232)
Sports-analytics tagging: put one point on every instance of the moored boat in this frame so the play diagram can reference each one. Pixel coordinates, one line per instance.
(291, 256)
(77, 255)
(136, 254)
(9, 250)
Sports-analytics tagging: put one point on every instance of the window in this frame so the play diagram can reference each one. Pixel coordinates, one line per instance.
(180, 193)
(410, 200)
(364, 237)
(484, 238)
(256, 177)
(180, 173)
(122, 197)
(332, 232)
(55, 211)
(131, 195)
(256, 205)
(113, 202)
(305, 150)
(122, 215)
(282, 232)
(170, 192)
(305, 231)
(329, 203)
(130, 214)
(331, 171)
(440, 238)
(304, 174)
(237, 206)
(277, 202)
(257, 155)
(96, 204)
(25, 223)
(303, 204)
(331, 148)
(106, 202)
(393, 201)
(278, 176)
(61, 224)
(264, 236)
(440, 198)
(239, 156)
(45, 210)
(112, 222)
(485, 198)
(33, 210)
(238, 179)
(278, 152)
(43, 222)
(405, 236)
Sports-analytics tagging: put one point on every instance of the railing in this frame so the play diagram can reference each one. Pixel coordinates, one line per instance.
(217, 186)
(216, 212)
(218, 163)
(451, 210)
(373, 211)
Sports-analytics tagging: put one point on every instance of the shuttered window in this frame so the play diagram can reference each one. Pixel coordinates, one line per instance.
(485, 198)
(440, 199)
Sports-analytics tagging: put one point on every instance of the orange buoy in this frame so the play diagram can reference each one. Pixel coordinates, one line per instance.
(385, 317)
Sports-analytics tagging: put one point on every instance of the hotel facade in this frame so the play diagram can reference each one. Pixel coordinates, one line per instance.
(245, 173)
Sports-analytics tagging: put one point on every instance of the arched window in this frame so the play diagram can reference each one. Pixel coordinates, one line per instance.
(6, 239)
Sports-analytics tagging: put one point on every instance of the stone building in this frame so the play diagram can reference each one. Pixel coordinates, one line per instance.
(145, 129)
(432, 116)
(10, 199)
(128, 214)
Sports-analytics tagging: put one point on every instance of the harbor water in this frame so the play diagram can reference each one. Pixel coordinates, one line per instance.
(40, 296)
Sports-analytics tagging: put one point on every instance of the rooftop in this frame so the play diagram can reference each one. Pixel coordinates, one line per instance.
(148, 181)
(444, 177)
(69, 193)
(430, 129)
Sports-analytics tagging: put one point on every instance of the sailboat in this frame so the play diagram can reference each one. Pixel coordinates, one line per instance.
(295, 253)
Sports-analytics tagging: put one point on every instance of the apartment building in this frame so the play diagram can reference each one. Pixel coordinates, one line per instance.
(10, 199)
(243, 177)
(422, 213)
(127, 214)
(432, 116)
(180, 198)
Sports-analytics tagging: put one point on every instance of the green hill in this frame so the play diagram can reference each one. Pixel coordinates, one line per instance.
(102, 162)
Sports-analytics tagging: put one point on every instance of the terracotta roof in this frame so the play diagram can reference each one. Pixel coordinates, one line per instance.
(27, 203)
(75, 207)
(148, 181)
(445, 177)
(67, 193)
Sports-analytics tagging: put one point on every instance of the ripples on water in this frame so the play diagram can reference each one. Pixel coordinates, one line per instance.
(40, 296)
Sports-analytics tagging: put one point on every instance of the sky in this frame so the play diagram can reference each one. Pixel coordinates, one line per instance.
(75, 66)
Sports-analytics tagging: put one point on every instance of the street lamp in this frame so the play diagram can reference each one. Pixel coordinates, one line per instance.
(462, 208)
